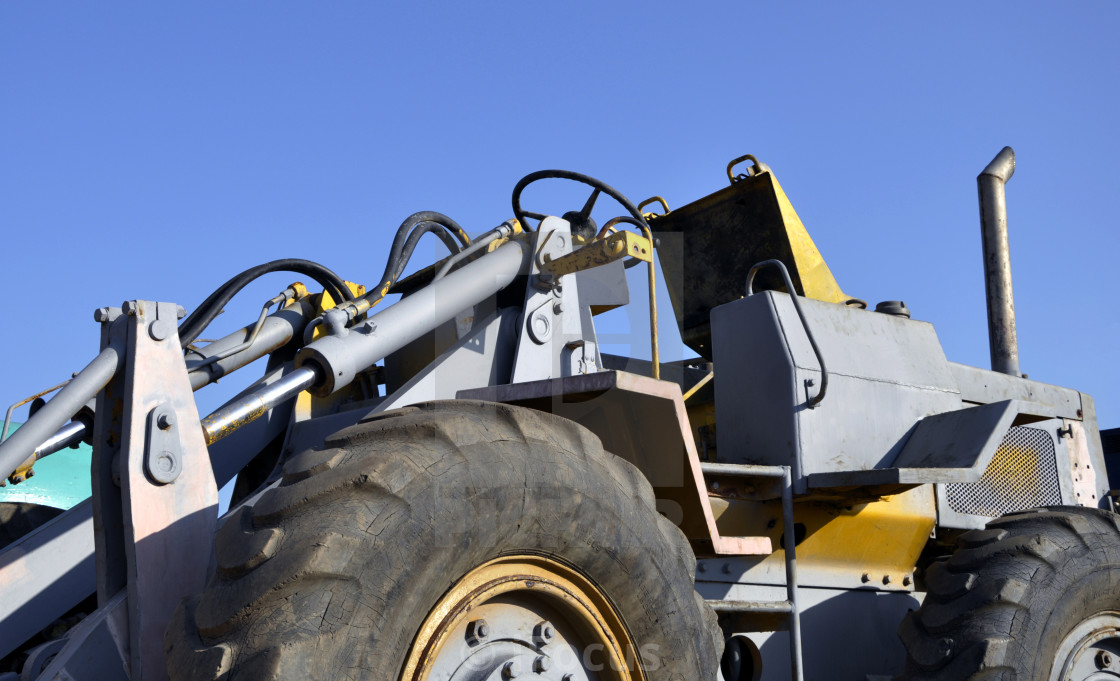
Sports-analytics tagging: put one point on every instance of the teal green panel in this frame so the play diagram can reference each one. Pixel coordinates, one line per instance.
(61, 480)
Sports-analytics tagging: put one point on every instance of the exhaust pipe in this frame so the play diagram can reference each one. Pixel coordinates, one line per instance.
(997, 262)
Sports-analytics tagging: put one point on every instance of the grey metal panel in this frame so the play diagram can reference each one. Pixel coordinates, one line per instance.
(849, 635)
(981, 387)
(963, 439)
(1091, 433)
(953, 446)
(44, 574)
(483, 357)
(604, 285)
(754, 386)
(885, 375)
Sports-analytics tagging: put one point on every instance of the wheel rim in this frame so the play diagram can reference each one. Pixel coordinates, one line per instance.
(1091, 652)
(524, 617)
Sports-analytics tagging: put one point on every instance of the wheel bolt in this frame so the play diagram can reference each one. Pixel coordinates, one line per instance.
(543, 633)
(1104, 659)
(477, 631)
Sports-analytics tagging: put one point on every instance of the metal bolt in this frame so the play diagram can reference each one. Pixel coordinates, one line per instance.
(543, 633)
(130, 308)
(509, 671)
(165, 420)
(101, 314)
(541, 664)
(906, 580)
(161, 329)
(180, 311)
(702, 567)
(886, 579)
(166, 462)
(1104, 659)
(865, 578)
(558, 307)
(477, 631)
(727, 568)
(714, 486)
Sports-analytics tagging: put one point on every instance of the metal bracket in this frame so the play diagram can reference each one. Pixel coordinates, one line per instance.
(554, 317)
(615, 247)
(163, 460)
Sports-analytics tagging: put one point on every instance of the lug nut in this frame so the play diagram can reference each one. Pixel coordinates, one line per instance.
(477, 631)
(543, 633)
(1104, 659)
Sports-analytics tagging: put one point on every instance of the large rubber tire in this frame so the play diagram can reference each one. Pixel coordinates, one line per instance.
(331, 574)
(1003, 604)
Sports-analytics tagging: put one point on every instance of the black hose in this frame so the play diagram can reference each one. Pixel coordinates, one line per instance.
(191, 327)
(404, 244)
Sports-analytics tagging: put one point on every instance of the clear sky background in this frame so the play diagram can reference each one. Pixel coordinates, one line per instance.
(154, 149)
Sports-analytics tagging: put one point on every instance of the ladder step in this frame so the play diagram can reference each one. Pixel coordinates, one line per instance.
(754, 607)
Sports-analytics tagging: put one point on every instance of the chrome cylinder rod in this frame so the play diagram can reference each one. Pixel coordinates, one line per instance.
(249, 407)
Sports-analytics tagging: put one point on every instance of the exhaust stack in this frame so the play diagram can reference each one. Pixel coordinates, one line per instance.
(997, 262)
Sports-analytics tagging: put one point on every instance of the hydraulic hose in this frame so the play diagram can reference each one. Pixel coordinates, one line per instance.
(191, 327)
(404, 244)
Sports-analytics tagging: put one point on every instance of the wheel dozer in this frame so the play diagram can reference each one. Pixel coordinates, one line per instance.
(465, 486)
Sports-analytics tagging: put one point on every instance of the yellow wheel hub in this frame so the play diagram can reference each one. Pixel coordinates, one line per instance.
(524, 617)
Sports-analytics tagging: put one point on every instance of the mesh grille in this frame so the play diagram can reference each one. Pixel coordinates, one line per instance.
(1023, 474)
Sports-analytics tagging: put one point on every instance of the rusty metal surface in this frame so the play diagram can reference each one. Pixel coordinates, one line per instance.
(165, 524)
(1002, 338)
(601, 252)
(1088, 480)
(644, 422)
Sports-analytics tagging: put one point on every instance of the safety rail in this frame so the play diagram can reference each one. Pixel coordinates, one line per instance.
(790, 605)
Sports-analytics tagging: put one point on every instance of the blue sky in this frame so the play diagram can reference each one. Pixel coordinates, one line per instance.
(152, 150)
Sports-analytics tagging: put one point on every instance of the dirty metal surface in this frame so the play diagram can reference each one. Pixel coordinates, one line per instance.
(644, 422)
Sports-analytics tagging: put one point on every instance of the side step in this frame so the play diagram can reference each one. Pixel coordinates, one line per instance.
(788, 607)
